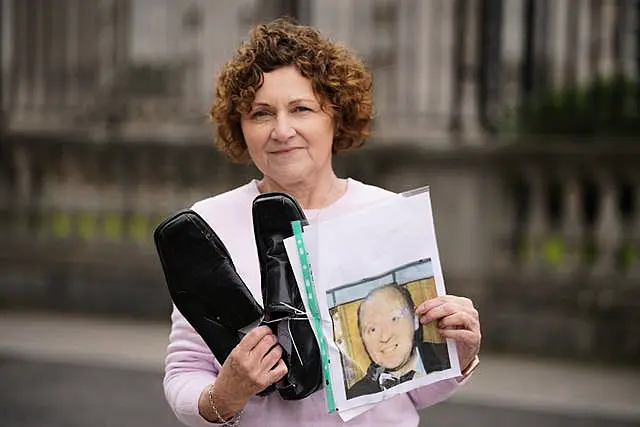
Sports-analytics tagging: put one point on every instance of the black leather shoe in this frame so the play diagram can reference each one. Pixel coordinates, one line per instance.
(203, 282)
(284, 310)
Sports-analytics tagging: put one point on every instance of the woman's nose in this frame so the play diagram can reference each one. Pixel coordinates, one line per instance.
(282, 129)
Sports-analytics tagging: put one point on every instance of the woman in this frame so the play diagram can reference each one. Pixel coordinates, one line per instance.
(287, 101)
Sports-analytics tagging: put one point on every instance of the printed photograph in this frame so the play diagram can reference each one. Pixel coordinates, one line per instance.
(381, 341)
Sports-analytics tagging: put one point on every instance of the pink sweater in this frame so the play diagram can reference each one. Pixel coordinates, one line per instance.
(190, 367)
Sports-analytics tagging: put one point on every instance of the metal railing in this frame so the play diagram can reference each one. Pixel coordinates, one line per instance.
(461, 67)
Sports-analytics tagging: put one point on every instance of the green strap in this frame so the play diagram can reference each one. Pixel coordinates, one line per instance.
(315, 312)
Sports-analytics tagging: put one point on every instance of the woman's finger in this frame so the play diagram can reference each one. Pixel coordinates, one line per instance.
(271, 359)
(429, 305)
(262, 348)
(439, 311)
(440, 300)
(255, 336)
(278, 371)
(449, 307)
(461, 335)
(459, 320)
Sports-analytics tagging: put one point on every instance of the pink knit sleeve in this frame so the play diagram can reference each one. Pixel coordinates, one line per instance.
(434, 393)
(189, 368)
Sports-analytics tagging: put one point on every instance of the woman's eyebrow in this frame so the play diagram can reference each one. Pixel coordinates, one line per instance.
(298, 100)
(292, 102)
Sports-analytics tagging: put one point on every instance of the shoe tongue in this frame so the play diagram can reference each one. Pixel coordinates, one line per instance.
(284, 336)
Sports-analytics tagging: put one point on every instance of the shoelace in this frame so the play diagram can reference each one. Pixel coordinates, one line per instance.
(298, 315)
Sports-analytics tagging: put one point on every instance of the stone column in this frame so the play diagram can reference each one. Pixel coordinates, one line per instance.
(537, 221)
(608, 229)
(634, 231)
(572, 231)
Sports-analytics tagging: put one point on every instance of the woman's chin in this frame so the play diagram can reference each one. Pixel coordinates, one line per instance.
(293, 174)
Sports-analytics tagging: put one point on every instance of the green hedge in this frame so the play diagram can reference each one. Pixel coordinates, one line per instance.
(606, 107)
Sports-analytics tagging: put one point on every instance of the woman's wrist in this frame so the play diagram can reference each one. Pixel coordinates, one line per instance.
(471, 366)
(217, 407)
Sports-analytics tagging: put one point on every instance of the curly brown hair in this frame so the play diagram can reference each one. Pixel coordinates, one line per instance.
(340, 80)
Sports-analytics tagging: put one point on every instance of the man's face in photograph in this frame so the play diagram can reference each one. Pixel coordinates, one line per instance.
(387, 328)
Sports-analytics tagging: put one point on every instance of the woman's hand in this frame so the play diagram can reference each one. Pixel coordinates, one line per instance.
(457, 319)
(253, 365)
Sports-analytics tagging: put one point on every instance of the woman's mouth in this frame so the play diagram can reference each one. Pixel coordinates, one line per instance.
(286, 150)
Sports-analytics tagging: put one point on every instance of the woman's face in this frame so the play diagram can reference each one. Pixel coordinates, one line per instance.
(289, 137)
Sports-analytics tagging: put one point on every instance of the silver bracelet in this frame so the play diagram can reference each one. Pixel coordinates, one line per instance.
(232, 422)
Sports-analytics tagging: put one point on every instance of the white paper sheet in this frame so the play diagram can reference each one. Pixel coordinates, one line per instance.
(392, 243)
(291, 248)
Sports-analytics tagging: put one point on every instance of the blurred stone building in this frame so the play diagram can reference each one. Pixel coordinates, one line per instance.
(522, 116)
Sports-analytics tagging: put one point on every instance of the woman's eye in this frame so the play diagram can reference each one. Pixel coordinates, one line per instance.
(258, 114)
(301, 109)
(371, 330)
(394, 319)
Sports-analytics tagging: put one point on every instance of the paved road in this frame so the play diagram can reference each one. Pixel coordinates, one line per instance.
(61, 395)
(60, 371)
(53, 394)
